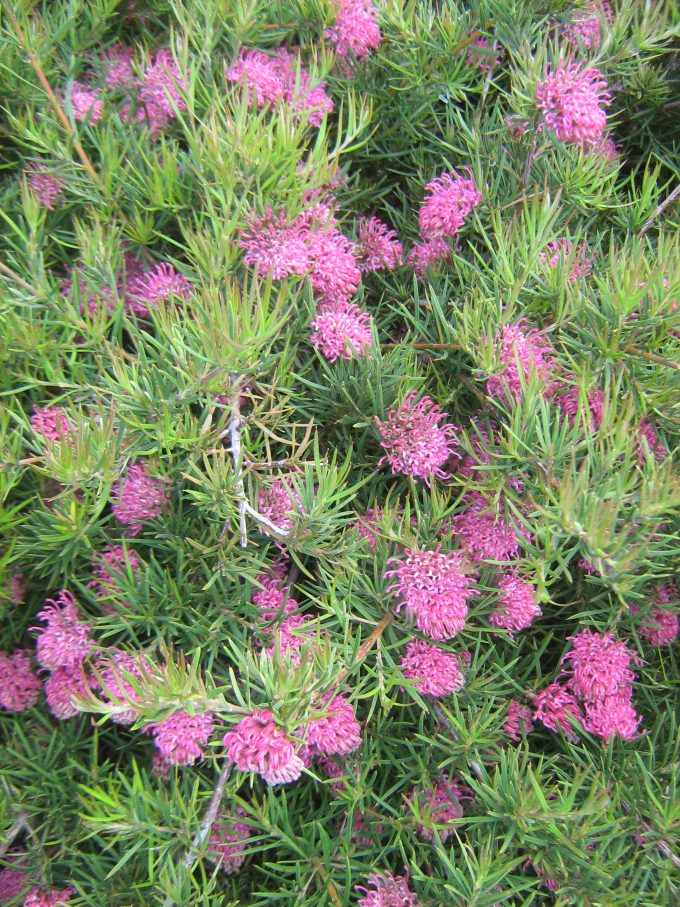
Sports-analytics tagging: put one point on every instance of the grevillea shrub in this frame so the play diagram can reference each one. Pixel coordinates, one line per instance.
(338, 453)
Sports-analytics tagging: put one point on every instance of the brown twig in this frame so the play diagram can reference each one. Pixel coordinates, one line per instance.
(54, 100)
(652, 357)
(8, 272)
(325, 878)
(366, 646)
(207, 823)
(675, 194)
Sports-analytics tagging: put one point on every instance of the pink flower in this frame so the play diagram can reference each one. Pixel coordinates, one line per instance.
(332, 770)
(160, 765)
(379, 247)
(65, 642)
(356, 32)
(517, 721)
(13, 882)
(160, 285)
(289, 643)
(438, 806)
(661, 626)
(138, 497)
(483, 55)
(228, 841)
(109, 565)
(369, 525)
(116, 61)
(61, 685)
(599, 665)
(561, 254)
(91, 303)
(450, 198)
(85, 102)
(256, 744)
(585, 25)
(572, 100)
(388, 891)
(428, 255)
(341, 330)
(160, 93)
(276, 248)
(273, 599)
(46, 185)
(612, 716)
(19, 686)
(572, 404)
(53, 898)
(554, 706)
(15, 587)
(415, 442)
(51, 422)
(282, 78)
(334, 274)
(433, 589)
(649, 443)
(116, 688)
(485, 535)
(337, 731)
(280, 503)
(359, 825)
(517, 606)
(181, 736)
(432, 671)
(522, 354)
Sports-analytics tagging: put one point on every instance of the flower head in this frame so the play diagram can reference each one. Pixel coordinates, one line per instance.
(415, 441)
(161, 89)
(661, 626)
(61, 685)
(228, 841)
(572, 100)
(434, 590)
(116, 688)
(612, 716)
(288, 642)
(13, 882)
(138, 497)
(483, 54)
(585, 24)
(116, 61)
(428, 255)
(649, 443)
(439, 806)
(256, 744)
(65, 642)
(85, 103)
(19, 686)
(109, 564)
(355, 32)
(341, 330)
(159, 285)
(554, 706)
(517, 606)
(388, 891)
(599, 665)
(571, 402)
(180, 737)
(561, 254)
(522, 353)
(46, 185)
(432, 671)
(517, 721)
(336, 731)
(485, 535)
(378, 246)
(280, 503)
(334, 274)
(39, 898)
(276, 248)
(449, 199)
(51, 422)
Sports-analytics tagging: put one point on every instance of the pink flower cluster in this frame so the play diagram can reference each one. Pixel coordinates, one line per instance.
(561, 254)
(115, 670)
(572, 99)
(438, 807)
(341, 330)
(434, 590)
(159, 93)
(661, 626)
(137, 498)
(414, 440)
(19, 686)
(517, 607)
(600, 677)
(84, 103)
(355, 32)
(181, 737)
(518, 719)
(280, 79)
(570, 401)
(388, 891)
(280, 503)
(522, 353)
(51, 422)
(449, 199)
(378, 246)
(46, 184)
(109, 565)
(38, 897)
(483, 534)
(432, 671)
(483, 55)
(228, 841)
(258, 745)
(586, 23)
(62, 647)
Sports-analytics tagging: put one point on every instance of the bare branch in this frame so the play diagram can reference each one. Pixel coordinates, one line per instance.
(662, 207)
